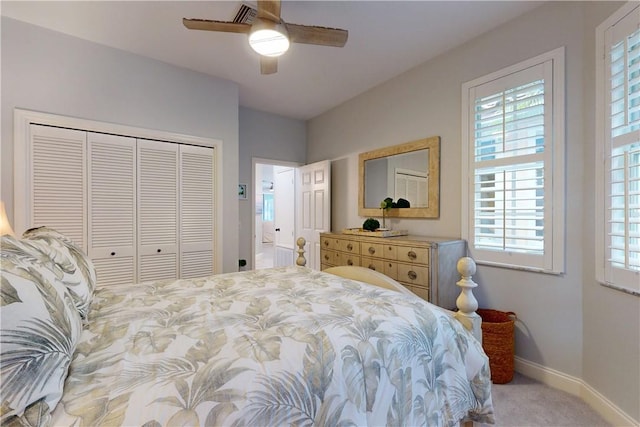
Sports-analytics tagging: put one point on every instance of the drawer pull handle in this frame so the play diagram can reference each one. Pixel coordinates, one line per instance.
(412, 275)
(326, 257)
(372, 250)
(113, 253)
(350, 246)
(159, 250)
(326, 243)
(349, 262)
(412, 255)
(372, 267)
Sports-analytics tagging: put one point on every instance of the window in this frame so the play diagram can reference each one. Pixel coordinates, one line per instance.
(618, 154)
(513, 165)
(267, 207)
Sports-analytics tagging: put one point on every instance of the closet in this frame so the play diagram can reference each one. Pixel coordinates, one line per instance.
(142, 209)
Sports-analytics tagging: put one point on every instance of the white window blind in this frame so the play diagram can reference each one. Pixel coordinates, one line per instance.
(512, 145)
(622, 153)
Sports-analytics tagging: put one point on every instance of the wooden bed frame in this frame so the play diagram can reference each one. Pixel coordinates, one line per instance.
(466, 302)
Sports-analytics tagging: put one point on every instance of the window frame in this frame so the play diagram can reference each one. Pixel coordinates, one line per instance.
(602, 150)
(553, 259)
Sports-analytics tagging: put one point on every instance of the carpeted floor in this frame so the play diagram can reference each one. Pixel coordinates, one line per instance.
(525, 402)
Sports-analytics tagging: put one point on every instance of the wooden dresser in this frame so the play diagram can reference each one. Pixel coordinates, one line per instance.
(427, 266)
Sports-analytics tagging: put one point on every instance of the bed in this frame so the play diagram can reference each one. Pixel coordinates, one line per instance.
(281, 346)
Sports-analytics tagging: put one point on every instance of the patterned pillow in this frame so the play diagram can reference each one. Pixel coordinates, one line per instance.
(57, 258)
(76, 262)
(39, 330)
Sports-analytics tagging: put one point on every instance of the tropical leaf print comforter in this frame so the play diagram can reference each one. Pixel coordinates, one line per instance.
(283, 346)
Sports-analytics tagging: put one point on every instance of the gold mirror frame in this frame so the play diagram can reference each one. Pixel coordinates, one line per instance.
(433, 210)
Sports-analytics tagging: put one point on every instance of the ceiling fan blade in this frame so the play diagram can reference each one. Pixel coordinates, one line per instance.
(268, 65)
(269, 9)
(210, 25)
(323, 36)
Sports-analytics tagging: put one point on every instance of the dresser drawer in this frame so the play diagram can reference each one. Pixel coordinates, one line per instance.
(421, 292)
(391, 269)
(329, 243)
(372, 249)
(413, 274)
(349, 259)
(390, 252)
(373, 264)
(413, 255)
(330, 257)
(349, 246)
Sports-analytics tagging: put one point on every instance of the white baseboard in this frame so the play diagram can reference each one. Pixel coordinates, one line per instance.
(577, 387)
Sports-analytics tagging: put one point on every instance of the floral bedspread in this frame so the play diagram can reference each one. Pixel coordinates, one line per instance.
(282, 346)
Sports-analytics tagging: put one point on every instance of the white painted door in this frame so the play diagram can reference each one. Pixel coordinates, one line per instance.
(196, 211)
(112, 207)
(313, 207)
(157, 210)
(58, 179)
(284, 209)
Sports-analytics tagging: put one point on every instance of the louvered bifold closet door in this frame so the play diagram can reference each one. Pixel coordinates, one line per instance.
(58, 181)
(197, 207)
(157, 210)
(112, 207)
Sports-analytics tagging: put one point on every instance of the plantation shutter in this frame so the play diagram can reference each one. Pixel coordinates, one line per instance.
(157, 210)
(196, 207)
(58, 181)
(622, 153)
(510, 158)
(112, 207)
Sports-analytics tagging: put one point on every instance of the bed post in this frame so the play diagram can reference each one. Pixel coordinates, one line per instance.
(301, 261)
(466, 302)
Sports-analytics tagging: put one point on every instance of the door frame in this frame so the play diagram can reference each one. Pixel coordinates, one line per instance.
(252, 197)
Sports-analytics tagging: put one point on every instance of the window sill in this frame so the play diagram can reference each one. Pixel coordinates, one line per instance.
(622, 289)
(518, 267)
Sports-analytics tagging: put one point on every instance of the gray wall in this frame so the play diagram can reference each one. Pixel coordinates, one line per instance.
(54, 73)
(567, 323)
(265, 136)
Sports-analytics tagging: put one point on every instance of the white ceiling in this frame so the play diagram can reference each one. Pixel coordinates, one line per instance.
(386, 38)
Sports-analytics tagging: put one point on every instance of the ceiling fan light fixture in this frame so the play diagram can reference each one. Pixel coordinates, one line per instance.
(269, 38)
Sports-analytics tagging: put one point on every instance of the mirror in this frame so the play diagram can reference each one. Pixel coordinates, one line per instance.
(408, 171)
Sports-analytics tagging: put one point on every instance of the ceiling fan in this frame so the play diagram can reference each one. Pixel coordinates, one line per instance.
(270, 36)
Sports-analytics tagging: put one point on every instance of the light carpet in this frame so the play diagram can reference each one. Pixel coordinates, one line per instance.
(525, 402)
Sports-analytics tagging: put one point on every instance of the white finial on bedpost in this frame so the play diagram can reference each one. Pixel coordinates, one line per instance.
(466, 302)
(301, 261)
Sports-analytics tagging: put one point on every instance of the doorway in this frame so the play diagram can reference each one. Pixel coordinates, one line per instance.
(291, 201)
(274, 208)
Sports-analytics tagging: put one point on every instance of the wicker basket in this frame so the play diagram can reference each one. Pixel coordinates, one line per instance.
(498, 343)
